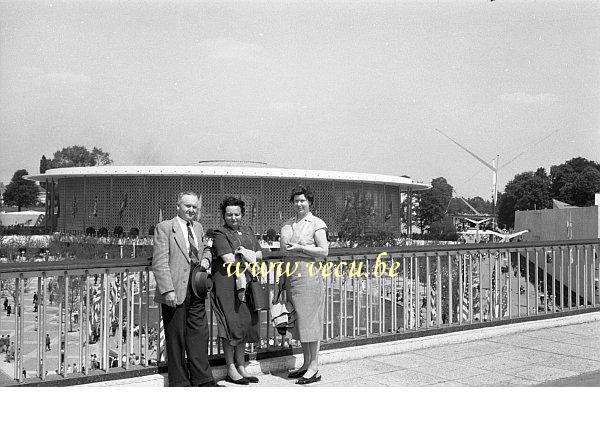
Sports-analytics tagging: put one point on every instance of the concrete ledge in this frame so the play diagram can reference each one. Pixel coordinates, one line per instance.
(283, 363)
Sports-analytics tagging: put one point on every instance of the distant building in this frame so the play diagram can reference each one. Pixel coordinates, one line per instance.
(562, 222)
(142, 196)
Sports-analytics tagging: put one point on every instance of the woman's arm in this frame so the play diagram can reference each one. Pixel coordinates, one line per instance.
(320, 249)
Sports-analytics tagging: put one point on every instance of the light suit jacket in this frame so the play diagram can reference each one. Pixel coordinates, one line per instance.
(171, 261)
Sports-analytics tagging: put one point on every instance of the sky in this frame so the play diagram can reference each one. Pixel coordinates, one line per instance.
(350, 86)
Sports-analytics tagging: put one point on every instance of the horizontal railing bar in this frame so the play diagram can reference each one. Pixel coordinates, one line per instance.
(136, 263)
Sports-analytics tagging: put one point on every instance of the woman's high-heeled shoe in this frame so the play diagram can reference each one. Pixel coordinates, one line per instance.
(297, 373)
(252, 379)
(241, 381)
(313, 379)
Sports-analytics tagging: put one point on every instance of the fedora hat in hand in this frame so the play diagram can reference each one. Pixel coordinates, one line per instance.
(201, 282)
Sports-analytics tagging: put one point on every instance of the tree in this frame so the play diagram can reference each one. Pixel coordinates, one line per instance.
(45, 164)
(20, 192)
(357, 217)
(432, 203)
(443, 229)
(100, 157)
(79, 156)
(527, 191)
(575, 181)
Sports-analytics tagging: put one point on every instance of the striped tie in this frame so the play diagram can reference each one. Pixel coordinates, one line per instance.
(193, 248)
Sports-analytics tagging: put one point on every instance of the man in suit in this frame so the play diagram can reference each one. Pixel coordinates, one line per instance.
(179, 245)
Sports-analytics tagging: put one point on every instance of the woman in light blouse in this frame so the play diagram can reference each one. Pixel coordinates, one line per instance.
(304, 240)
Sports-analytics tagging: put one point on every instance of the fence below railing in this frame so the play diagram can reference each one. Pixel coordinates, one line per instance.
(67, 319)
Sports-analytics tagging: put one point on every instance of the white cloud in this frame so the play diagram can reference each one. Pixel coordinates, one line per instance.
(230, 49)
(529, 99)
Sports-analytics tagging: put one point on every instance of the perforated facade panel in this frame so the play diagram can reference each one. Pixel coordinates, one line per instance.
(142, 201)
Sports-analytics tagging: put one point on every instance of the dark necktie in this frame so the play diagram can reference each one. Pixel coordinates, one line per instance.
(193, 248)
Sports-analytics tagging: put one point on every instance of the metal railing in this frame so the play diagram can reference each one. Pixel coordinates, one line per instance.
(99, 317)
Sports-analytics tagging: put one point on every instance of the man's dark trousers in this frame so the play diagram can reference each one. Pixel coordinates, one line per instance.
(186, 331)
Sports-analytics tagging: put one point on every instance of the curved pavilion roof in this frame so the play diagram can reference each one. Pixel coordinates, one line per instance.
(227, 169)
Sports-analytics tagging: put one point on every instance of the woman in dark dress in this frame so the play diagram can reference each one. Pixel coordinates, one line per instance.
(237, 320)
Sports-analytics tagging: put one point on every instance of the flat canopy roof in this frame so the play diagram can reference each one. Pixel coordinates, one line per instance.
(228, 171)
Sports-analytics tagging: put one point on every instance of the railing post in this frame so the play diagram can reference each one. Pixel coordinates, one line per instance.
(450, 299)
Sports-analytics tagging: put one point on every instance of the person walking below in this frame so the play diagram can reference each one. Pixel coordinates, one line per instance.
(48, 342)
(179, 246)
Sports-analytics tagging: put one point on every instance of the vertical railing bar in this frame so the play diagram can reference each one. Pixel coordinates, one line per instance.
(479, 255)
(460, 287)
(427, 294)
(492, 283)
(545, 282)
(552, 251)
(332, 303)
(38, 326)
(450, 299)
(355, 324)
(593, 275)
(393, 298)
(146, 273)
(341, 310)
(405, 312)
(536, 281)
(105, 323)
(345, 284)
(67, 324)
(19, 315)
(141, 324)
(585, 279)
(470, 266)
(119, 336)
(42, 323)
(577, 278)
(60, 324)
(569, 275)
(416, 288)
(80, 286)
(562, 278)
(519, 283)
(527, 281)
(88, 310)
(128, 324)
(357, 281)
(509, 287)
(381, 303)
(368, 312)
(438, 297)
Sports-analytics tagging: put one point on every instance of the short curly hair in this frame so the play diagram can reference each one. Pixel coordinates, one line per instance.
(232, 201)
(302, 190)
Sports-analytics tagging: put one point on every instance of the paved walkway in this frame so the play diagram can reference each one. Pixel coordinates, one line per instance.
(567, 355)
(562, 355)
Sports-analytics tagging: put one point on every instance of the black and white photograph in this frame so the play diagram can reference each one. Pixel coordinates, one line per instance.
(278, 195)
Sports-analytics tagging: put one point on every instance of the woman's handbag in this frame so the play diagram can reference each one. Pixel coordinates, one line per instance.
(259, 293)
(283, 315)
